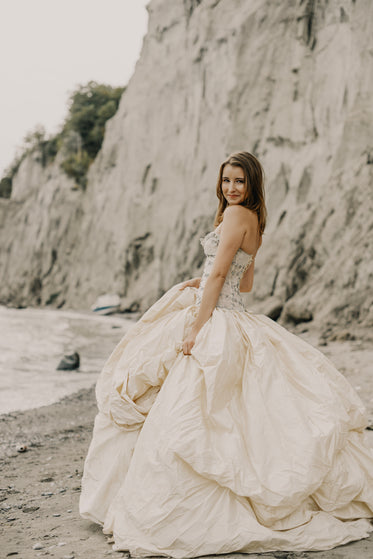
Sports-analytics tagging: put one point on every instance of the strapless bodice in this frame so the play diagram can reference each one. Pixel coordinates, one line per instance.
(230, 296)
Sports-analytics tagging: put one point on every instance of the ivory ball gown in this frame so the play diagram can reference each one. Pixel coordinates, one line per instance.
(253, 443)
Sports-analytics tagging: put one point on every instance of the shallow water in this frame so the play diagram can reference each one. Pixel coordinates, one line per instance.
(32, 343)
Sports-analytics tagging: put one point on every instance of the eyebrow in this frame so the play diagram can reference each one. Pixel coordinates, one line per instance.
(240, 178)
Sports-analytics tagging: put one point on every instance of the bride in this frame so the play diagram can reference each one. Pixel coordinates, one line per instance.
(219, 431)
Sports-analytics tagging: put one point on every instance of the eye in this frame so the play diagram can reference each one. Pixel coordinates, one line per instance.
(225, 180)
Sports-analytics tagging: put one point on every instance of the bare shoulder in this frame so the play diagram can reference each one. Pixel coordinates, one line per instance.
(238, 214)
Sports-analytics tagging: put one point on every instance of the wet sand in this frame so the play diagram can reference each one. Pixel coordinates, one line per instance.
(40, 487)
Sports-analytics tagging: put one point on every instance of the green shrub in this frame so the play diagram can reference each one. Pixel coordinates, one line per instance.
(90, 106)
(49, 149)
(81, 136)
(76, 166)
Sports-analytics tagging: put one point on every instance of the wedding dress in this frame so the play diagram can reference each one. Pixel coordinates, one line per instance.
(253, 443)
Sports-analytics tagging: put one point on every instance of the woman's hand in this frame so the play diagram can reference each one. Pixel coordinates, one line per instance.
(190, 283)
(189, 341)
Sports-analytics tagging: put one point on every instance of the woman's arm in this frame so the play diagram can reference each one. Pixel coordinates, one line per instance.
(232, 232)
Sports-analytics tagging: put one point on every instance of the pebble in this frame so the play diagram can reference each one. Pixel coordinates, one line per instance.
(70, 510)
(62, 491)
(21, 447)
(38, 546)
(56, 515)
(30, 509)
(69, 362)
(60, 544)
(68, 557)
(48, 494)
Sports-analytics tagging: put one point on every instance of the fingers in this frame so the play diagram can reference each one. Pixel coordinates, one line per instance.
(185, 284)
(187, 347)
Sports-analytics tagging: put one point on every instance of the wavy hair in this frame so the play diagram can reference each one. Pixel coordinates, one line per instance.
(254, 182)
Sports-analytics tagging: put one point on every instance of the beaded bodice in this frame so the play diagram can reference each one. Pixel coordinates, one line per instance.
(230, 296)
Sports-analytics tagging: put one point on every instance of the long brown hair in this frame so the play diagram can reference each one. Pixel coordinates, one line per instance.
(254, 182)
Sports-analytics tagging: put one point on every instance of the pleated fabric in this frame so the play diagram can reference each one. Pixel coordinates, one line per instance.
(254, 443)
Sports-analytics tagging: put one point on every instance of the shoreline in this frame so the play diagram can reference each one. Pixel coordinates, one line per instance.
(33, 342)
(40, 489)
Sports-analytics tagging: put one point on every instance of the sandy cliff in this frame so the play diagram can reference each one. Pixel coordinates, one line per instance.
(290, 81)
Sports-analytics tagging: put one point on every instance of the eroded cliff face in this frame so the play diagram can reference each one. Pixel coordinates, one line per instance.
(289, 81)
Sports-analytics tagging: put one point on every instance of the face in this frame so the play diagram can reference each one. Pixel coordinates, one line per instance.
(233, 184)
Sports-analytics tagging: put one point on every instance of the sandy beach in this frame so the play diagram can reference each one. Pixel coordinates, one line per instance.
(40, 487)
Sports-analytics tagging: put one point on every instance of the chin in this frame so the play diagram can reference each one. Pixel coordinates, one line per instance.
(234, 202)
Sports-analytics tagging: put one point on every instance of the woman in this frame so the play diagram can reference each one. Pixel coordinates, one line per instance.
(218, 430)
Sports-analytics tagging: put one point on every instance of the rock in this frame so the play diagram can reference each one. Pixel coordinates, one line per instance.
(106, 304)
(69, 362)
(296, 313)
(272, 307)
(275, 312)
(38, 546)
(341, 336)
(30, 509)
(129, 306)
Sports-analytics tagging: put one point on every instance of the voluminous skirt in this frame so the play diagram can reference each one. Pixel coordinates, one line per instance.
(253, 443)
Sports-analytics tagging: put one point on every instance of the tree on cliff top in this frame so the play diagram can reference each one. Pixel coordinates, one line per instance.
(81, 135)
(90, 106)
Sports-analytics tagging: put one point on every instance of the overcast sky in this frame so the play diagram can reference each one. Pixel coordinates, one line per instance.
(49, 47)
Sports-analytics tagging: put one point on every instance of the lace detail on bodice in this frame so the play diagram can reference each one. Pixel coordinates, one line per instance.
(230, 296)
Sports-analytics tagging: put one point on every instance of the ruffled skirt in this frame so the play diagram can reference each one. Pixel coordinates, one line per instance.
(253, 443)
